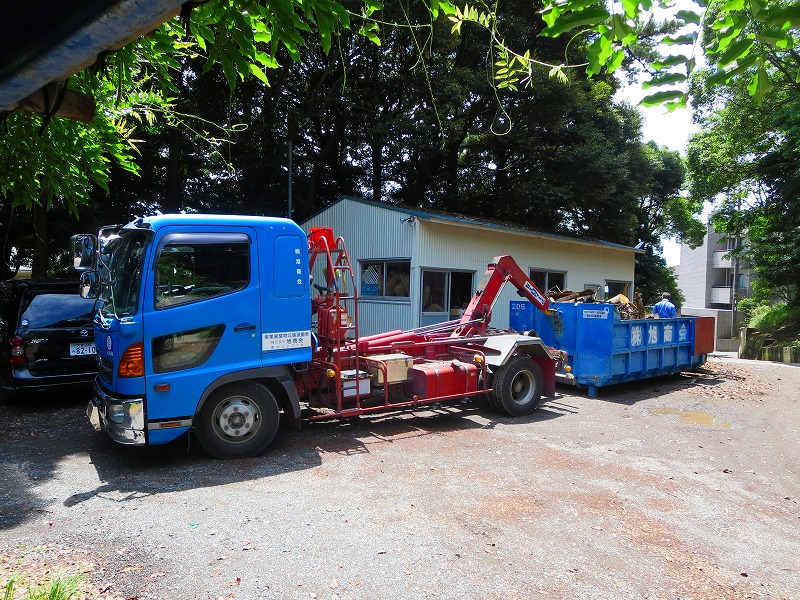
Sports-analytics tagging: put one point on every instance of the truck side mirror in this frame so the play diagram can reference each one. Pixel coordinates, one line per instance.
(83, 247)
(89, 284)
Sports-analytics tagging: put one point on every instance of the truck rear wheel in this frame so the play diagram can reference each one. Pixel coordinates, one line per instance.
(238, 420)
(517, 386)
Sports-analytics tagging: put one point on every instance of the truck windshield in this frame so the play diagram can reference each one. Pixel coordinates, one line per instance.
(121, 256)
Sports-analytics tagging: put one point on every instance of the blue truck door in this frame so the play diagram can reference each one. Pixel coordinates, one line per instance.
(202, 316)
(286, 302)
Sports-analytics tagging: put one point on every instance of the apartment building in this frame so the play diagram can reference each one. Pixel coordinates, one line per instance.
(712, 283)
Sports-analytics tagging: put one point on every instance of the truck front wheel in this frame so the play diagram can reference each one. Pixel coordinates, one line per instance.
(517, 386)
(238, 420)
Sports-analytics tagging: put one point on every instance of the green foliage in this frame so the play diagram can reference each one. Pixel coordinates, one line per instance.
(662, 209)
(747, 306)
(747, 153)
(781, 321)
(65, 161)
(380, 101)
(59, 588)
(421, 128)
(653, 277)
(741, 40)
(245, 37)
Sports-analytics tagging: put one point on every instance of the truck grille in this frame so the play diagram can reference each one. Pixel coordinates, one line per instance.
(105, 368)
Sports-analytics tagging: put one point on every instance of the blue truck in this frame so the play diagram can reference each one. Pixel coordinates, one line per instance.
(214, 325)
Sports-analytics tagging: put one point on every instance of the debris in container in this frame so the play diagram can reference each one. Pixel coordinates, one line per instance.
(627, 310)
(570, 296)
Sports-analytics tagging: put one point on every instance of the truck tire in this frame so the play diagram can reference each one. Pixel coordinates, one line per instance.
(517, 386)
(238, 420)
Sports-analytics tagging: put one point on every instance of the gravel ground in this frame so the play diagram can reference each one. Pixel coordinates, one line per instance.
(678, 487)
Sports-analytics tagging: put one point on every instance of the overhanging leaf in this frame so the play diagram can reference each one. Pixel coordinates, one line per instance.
(664, 79)
(630, 7)
(688, 16)
(735, 51)
(785, 18)
(590, 16)
(760, 85)
(660, 98)
(616, 61)
(255, 70)
(621, 30)
(669, 61)
(724, 75)
(732, 5)
(775, 38)
(689, 38)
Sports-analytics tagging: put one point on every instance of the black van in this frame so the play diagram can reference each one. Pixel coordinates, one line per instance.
(46, 337)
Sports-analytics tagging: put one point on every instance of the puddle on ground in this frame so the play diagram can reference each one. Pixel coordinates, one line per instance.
(694, 417)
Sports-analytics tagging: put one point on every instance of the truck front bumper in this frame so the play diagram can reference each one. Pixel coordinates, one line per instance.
(120, 418)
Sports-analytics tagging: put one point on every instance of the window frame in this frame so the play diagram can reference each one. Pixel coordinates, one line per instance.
(449, 287)
(365, 263)
(626, 290)
(547, 273)
(201, 239)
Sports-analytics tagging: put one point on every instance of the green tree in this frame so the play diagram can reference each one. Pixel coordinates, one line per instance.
(51, 165)
(747, 156)
(653, 277)
(439, 85)
(739, 38)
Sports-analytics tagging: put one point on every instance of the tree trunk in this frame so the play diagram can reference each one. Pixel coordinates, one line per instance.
(377, 170)
(328, 149)
(172, 194)
(5, 265)
(40, 241)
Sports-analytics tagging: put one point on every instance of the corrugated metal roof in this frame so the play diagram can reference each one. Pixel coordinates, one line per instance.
(444, 217)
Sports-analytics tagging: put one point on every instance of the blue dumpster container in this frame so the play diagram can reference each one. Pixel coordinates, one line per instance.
(603, 349)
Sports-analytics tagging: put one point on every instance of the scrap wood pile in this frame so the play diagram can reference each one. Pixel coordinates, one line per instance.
(627, 310)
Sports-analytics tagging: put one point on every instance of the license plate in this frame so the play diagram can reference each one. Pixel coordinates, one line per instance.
(82, 349)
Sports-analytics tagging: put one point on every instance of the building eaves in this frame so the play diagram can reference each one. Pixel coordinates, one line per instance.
(436, 216)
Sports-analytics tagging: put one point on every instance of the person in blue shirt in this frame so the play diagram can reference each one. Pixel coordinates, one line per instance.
(665, 309)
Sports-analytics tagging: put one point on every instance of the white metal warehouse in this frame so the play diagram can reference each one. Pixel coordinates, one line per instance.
(415, 267)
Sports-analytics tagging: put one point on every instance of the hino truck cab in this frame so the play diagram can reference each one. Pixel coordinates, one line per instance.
(203, 322)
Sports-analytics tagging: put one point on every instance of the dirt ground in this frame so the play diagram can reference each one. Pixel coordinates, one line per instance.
(678, 487)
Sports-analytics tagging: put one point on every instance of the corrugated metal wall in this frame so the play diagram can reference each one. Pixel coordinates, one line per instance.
(373, 232)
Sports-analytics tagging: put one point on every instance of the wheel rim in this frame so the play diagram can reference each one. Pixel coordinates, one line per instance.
(236, 419)
(523, 388)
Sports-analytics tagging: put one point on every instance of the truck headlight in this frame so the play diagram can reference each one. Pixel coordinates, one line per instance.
(116, 413)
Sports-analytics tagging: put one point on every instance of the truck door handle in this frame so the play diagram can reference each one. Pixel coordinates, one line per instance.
(244, 327)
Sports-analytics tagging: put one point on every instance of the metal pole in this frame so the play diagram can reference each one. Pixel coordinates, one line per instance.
(733, 291)
(289, 208)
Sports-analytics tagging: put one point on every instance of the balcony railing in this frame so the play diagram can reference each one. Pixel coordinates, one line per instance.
(718, 260)
(721, 294)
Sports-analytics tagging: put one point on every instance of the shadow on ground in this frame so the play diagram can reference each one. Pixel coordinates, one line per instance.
(36, 437)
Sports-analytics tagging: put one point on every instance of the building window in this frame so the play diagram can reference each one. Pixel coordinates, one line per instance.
(742, 281)
(548, 280)
(598, 295)
(614, 288)
(387, 279)
(446, 292)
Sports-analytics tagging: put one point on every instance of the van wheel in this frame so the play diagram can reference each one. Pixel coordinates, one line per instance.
(238, 420)
(517, 386)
